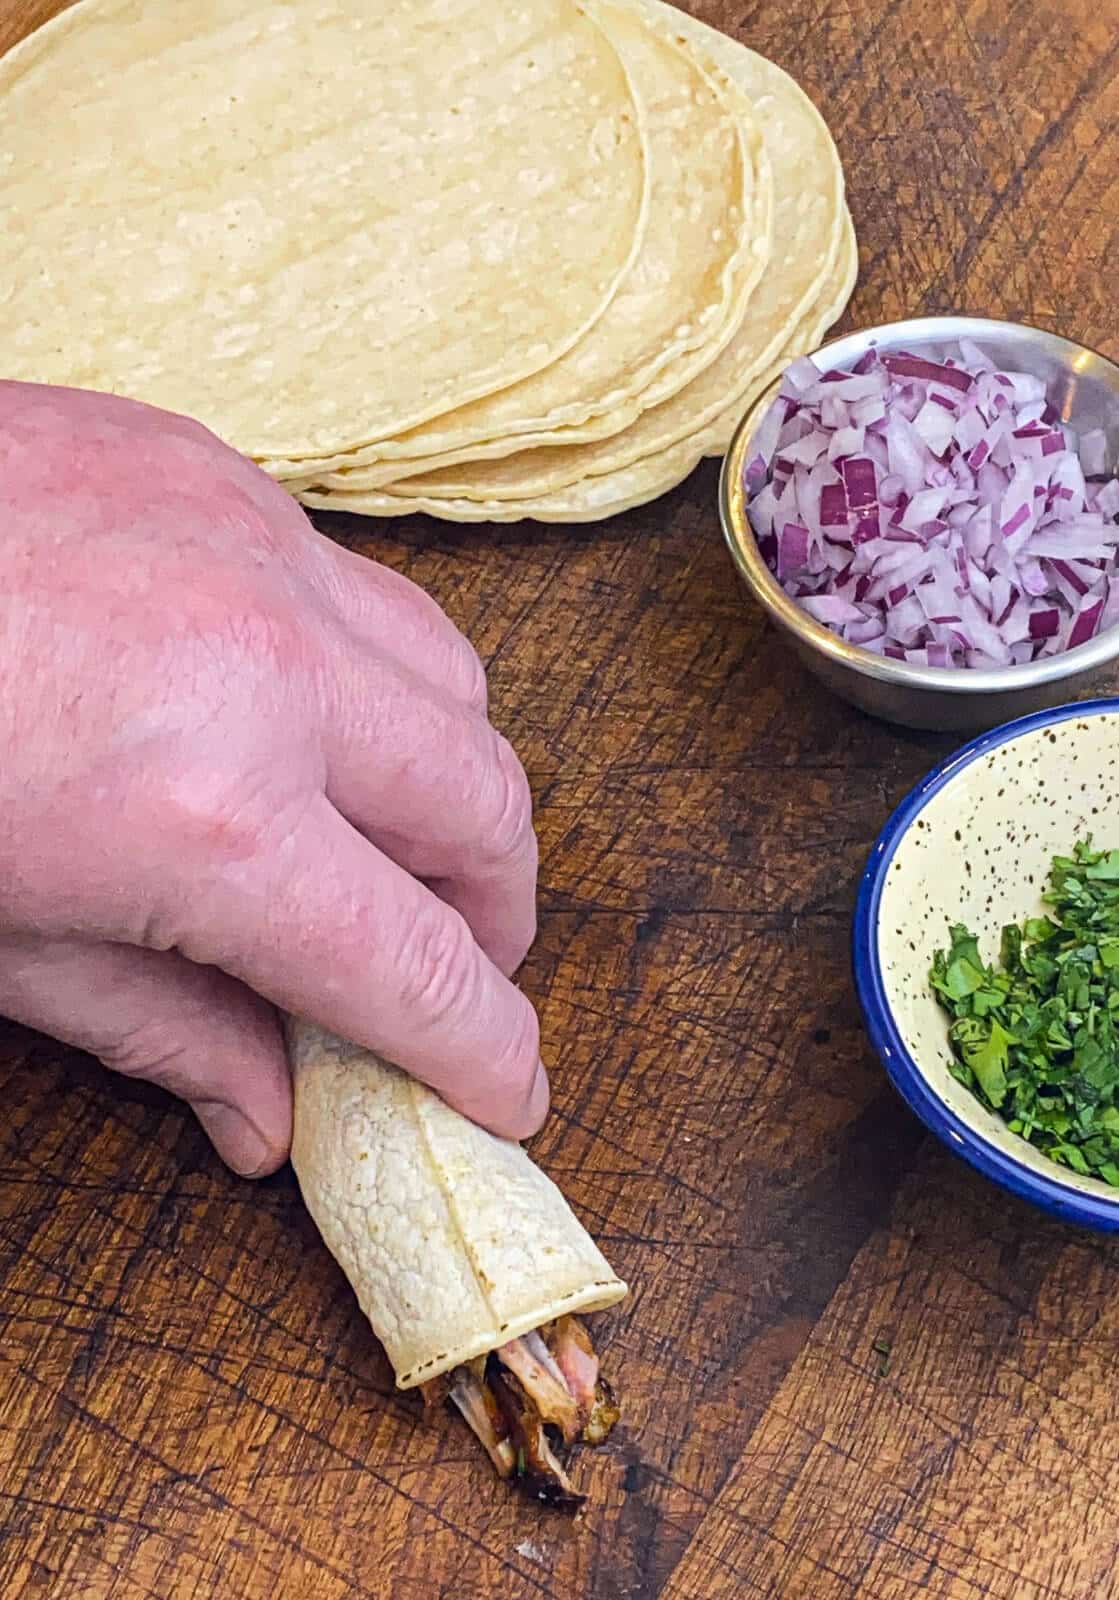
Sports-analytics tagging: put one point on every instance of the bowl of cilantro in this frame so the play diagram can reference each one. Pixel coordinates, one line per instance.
(986, 956)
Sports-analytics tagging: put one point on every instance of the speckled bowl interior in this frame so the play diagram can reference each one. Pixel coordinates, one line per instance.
(973, 844)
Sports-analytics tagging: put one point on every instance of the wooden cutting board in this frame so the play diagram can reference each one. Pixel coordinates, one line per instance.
(191, 1407)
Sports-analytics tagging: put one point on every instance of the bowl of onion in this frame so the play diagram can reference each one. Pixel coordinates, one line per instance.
(929, 511)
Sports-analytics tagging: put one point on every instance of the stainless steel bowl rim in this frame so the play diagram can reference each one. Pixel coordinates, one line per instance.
(784, 610)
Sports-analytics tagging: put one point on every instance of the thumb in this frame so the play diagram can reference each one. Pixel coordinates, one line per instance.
(152, 1014)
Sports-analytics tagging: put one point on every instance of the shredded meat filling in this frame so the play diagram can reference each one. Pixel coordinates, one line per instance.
(530, 1360)
(545, 1380)
(474, 1397)
(538, 1465)
(575, 1357)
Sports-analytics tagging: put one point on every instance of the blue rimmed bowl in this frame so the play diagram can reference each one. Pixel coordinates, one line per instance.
(973, 843)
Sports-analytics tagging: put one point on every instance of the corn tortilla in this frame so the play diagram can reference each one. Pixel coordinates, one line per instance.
(808, 227)
(705, 246)
(612, 493)
(441, 194)
(453, 1241)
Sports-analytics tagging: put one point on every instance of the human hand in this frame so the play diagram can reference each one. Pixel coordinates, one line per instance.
(242, 768)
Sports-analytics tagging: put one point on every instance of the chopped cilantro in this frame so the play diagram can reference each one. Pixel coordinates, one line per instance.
(1036, 1039)
(882, 1349)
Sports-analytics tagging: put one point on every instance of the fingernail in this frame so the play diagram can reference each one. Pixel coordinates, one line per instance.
(239, 1143)
(539, 1098)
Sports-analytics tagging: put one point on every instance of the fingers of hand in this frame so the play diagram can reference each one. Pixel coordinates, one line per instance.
(386, 612)
(327, 926)
(437, 789)
(154, 1015)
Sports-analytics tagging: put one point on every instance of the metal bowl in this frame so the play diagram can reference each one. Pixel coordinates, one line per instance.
(1085, 387)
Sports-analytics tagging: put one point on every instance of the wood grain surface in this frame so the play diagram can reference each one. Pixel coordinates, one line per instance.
(191, 1406)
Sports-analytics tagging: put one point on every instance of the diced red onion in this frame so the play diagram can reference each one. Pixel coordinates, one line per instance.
(808, 449)
(867, 413)
(792, 549)
(846, 442)
(800, 375)
(969, 430)
(833, 506)
(1087, 619)
(936, 424)
(1093, 453)
(907, 366)
(850, 387)
(936, 511)
(831, 609)
(1045, 624)
(765, 444)
(1107, 498)
(1033, 578)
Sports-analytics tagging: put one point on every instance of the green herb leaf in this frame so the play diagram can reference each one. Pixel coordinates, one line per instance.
(883, 1350)
(1037, 1037)
(961, 972)
(1070, 1156)
(988, 1062)
(1105, 868)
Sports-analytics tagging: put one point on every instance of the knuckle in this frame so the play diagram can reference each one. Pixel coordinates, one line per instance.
(270, 637)
(203, 831)
(346, 586)
(511, 834)
(154, 1050)
(471, 674)
(439, 964)
(210, 818)
(513, 1065)
(425, 635)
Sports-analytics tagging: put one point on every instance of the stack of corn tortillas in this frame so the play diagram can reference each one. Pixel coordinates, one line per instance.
(485, 262)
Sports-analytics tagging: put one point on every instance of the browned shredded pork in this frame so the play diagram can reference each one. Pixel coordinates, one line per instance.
(528, 1399)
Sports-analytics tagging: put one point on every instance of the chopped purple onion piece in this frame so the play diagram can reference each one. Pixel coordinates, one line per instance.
(907, 366)
(792, 550)
(1045, 624)
(1093, 453)
(936, 511)
(1087, 619)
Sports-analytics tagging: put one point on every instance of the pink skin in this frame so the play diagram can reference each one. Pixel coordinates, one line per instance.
(241, 768)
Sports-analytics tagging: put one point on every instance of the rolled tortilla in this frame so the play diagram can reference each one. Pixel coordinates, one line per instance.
(453, 1240)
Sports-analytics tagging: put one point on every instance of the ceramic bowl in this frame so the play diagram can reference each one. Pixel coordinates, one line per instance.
(973, 843)
(1085, 387)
